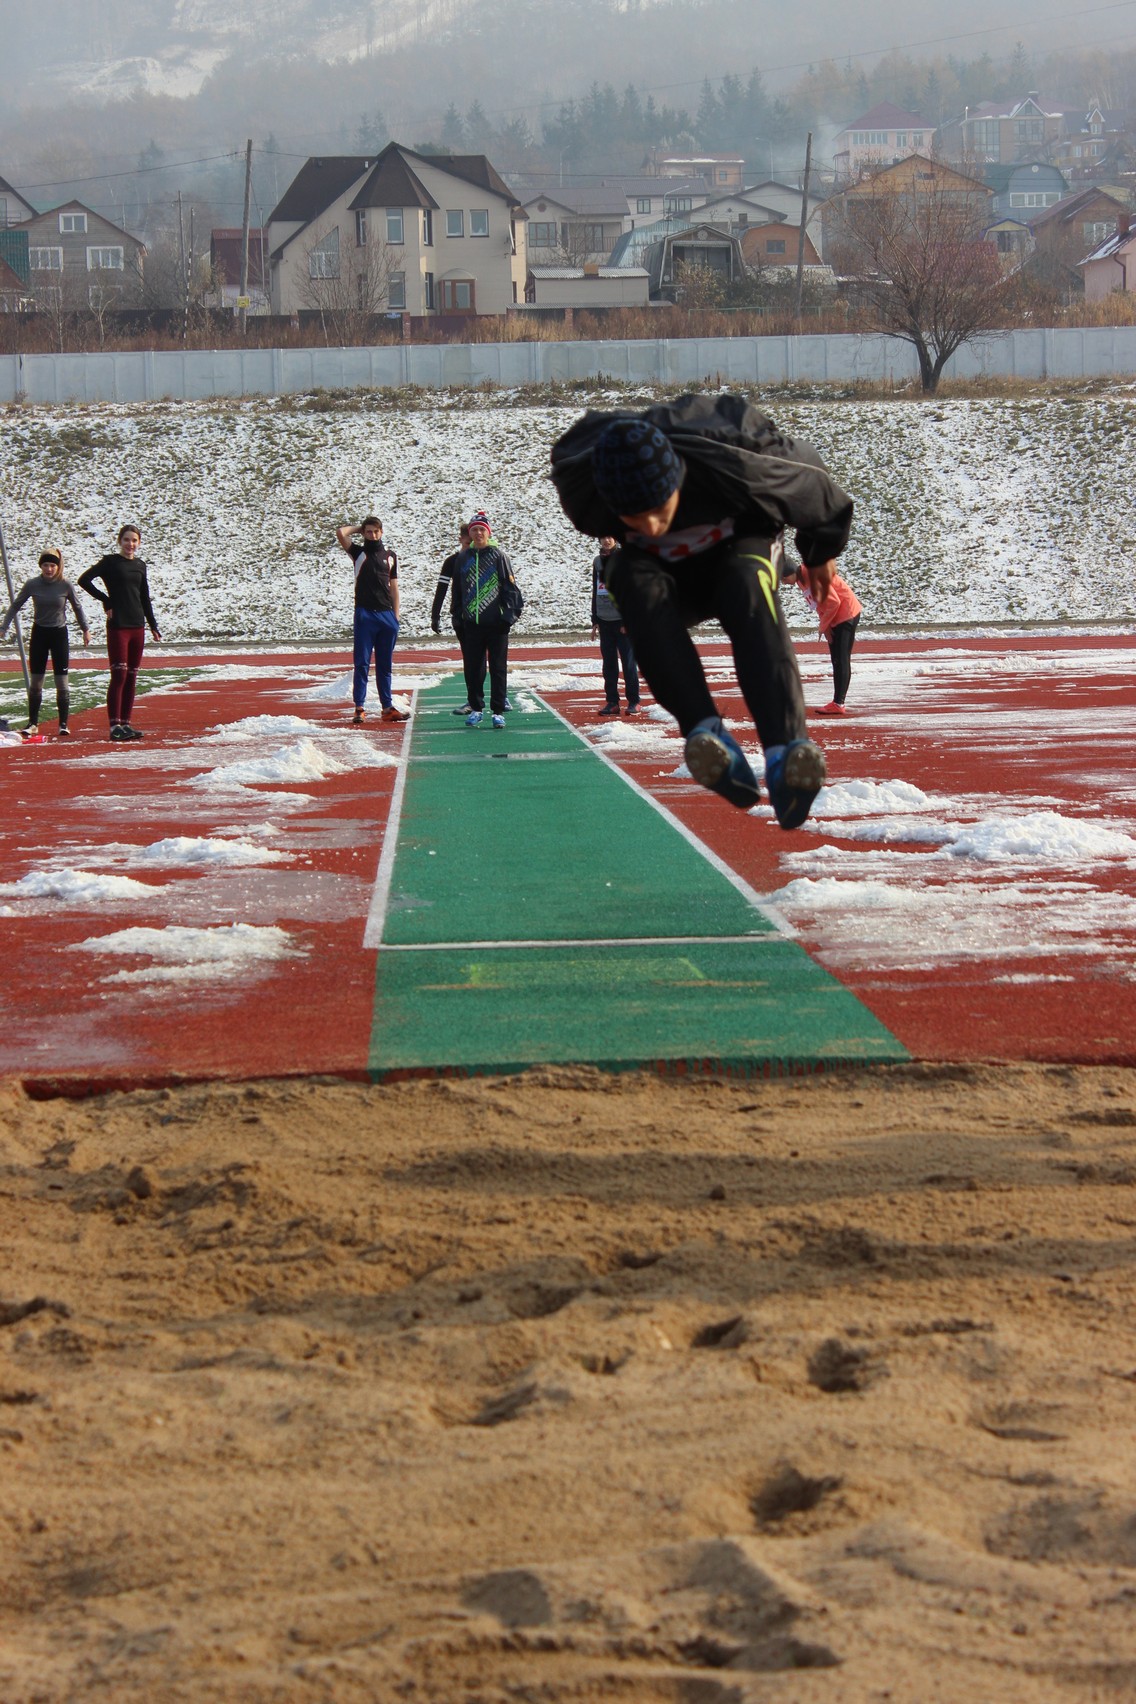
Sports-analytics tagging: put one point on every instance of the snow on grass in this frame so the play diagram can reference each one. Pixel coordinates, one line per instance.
(966, 511)
(182, 954)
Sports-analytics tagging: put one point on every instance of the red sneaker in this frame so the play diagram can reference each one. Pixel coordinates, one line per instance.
(359, 716)
(390, 714)
(833, 709)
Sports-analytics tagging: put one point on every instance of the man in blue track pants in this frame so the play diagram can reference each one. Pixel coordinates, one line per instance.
(376, 613)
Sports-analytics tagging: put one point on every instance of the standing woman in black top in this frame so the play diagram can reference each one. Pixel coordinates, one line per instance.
(126, 600)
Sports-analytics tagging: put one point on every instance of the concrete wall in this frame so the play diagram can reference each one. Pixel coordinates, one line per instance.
(1107, 351)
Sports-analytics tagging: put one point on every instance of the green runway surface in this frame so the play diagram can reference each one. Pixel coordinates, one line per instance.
(542, 910)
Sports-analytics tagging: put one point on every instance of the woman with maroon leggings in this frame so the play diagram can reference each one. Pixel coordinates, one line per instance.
(126, 599)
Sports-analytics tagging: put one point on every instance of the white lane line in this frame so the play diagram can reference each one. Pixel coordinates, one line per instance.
(380, 894)
(752, 897)
(766, 939)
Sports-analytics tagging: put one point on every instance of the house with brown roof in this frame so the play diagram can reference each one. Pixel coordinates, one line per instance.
(404, 232)
(226, 244)
(1076, 225)
(1004, 131)
(879, 137)
(79, 259)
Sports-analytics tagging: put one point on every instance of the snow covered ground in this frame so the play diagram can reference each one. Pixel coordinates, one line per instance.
(968, 512)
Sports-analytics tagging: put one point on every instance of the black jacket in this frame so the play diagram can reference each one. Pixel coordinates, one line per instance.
(735, 463)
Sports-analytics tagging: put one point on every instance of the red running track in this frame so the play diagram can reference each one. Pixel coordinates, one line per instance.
(977, 889)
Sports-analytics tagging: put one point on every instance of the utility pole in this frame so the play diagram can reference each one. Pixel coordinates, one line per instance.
(804, 221)
(242, 288)
(184, 275)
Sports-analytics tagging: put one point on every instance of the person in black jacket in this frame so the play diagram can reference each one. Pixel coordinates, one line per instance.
(126, 599)
(448, 586)
(483, 579)
(698, 493)
(375, 625)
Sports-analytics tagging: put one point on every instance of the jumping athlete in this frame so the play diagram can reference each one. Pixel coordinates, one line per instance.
(697, 493)
(126, 599)
(376, 613)
(50, 594)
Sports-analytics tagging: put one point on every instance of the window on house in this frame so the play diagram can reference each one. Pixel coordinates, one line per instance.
(642, 204)
(45, 259)
(73, 224)
(775, 245)
(594, 240)
(479, 221)
(542, 233)
(678, 204)
(917, 139)
(901, 139)
(394, 224)
(743, 218)
(428, 290)
(723, 176)
(323, 259)
(455, 223)
(1029, 129)
(457, 295)
(1098, 230)
(984, 133)
(104, 260)
(3, 212)
(428, 227)
(361, 227)
(396, 290)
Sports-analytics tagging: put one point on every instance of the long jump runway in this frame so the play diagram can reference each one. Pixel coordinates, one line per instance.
(259, 889)
(537, 905)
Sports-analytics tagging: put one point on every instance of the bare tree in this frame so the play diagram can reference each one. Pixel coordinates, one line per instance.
(349, 283)
(912, 244)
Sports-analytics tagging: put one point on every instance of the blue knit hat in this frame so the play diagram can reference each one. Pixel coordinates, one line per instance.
(634, 467)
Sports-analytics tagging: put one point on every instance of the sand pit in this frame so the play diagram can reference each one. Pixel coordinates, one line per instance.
(566, 1387)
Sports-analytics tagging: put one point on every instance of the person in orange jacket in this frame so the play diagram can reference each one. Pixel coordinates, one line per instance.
(838, 612)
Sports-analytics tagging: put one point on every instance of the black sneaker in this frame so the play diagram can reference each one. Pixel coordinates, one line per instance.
(462, 709)
(118, 732)
(609, 710)
(129, 733)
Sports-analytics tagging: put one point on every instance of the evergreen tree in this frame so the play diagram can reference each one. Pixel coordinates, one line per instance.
(453, 131)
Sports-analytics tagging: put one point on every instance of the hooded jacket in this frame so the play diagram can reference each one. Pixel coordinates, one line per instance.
(736, 465)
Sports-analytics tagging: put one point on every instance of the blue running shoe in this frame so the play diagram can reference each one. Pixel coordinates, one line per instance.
(794, 775)
(717, 761)
(473, 720)
(498, 719)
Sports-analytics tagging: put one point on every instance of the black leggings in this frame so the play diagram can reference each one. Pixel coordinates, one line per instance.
(481, 645)
(841, 639)
(48, 644)
(734, 584)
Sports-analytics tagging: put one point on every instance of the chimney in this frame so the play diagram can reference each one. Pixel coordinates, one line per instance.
(1123, 223)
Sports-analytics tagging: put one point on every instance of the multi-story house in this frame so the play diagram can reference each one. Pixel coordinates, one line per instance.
(1024, 188)
(79, 259)
(880, 137)
(1076, 225)
(1003, 131)
(405, 232)
(576, 225)
(1112, 266)
(719, 171)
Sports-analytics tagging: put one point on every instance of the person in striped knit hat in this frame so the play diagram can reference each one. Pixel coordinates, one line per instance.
(485, 588)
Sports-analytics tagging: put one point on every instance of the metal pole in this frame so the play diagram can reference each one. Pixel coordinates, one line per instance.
(242, 287)
(804, 221)
(16, 621)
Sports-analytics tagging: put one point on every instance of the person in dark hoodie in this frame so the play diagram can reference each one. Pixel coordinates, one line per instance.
(126, 599)
(697, 492)
(487, 601)
(376, 614)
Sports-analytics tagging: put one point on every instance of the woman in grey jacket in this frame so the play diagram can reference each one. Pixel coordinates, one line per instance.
(50, 595)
